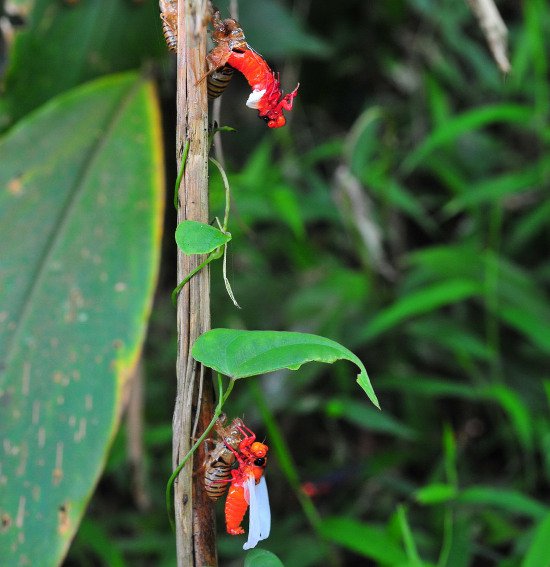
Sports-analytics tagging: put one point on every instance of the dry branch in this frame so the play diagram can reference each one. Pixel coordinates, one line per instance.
(494, 29)
(134, 428)
(194, 515)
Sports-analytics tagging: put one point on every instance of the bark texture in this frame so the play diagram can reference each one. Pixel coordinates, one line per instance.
(194, 514)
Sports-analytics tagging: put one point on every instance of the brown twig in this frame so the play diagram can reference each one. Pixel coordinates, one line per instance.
(134, 432)
(357, 208)
(494, 29)
(194, 515)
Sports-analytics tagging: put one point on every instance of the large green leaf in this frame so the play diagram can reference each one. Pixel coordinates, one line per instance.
(463, 123)
(241, 354)
(80, 224)
(364, 539)
(63, 46)
(363, 415)
(495, 188)
(419, 302)
(537, 554)
(503, 499)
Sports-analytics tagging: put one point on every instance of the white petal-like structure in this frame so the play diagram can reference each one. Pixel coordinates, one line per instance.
(254, 98)
(259, 513)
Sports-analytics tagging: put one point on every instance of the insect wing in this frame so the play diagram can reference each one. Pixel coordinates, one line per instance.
(262, 498)
(259, 513)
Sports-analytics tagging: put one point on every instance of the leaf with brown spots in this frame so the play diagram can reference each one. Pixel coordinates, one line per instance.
(80, 248)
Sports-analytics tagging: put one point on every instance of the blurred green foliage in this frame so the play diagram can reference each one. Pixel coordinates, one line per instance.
(404, 213)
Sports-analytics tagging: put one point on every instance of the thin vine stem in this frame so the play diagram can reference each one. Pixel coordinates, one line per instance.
(218, 252)
(181, 173)
(227, 193)
(217, 129)
(213, 256)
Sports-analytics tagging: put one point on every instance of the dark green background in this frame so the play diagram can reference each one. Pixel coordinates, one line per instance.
(403, 212)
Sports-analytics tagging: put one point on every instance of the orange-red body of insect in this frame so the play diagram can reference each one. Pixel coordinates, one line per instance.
(236, 503)
(232, 49)
(252, 460)
(266, 94)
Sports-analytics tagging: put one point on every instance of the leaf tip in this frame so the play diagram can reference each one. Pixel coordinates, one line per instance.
(364, 382)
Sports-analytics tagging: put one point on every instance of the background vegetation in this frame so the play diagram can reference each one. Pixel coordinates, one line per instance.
(403, 212)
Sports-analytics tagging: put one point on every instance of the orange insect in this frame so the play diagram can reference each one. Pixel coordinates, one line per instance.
(232, 50)
(248, 489)
(237, 445)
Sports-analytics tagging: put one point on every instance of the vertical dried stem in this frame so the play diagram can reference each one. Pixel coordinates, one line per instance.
(194, 516)
(494, 28)
(134, 425)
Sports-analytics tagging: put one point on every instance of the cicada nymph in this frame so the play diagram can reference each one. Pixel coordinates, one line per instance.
(228, 36)
(217, 82)
(169, 17)
(221, 459)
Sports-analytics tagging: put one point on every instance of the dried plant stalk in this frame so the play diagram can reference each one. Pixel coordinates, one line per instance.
(194, 515)
(494, 29)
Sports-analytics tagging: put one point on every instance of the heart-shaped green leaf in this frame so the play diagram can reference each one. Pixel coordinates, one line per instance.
(240, 354)
(194, 237)
(81, 191)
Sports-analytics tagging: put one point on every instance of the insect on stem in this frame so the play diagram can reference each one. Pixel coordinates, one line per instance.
(222, 398)
(232, 52)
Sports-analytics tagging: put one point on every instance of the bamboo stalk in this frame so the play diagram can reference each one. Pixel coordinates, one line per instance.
(194, 515)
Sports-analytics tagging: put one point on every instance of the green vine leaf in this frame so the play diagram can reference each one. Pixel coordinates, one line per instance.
(240, 354)
(194, 237)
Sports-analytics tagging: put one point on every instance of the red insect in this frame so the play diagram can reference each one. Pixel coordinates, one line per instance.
(248, 488)
(233, 50)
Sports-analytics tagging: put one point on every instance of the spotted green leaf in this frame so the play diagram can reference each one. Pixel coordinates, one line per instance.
(80, 224)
